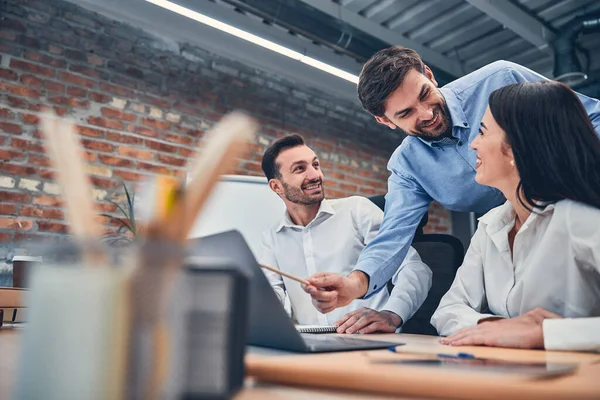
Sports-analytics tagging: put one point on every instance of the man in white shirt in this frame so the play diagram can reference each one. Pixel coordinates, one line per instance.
(319, 235)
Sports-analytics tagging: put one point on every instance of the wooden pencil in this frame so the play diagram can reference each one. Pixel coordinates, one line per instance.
(292, 277)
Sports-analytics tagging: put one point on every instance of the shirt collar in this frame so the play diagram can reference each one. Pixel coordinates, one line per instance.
(457, 114)
(324, 208)
(499, 217)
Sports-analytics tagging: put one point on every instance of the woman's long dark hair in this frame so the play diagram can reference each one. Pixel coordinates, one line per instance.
(556, 150)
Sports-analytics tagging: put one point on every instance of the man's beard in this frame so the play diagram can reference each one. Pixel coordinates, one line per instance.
(445, 126)
(296, 195)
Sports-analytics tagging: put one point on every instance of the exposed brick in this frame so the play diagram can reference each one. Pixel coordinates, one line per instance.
(5, 113)
(8, 74)
(102, 183)
(106, 123)
(187, 152)
(114, 89)
(47, 174)
(55, 49)
(30, 67)
(157, 169)
(14, 197)
(20, 90)
(54, 227)
(45, 59)
(178, 162)
(99, 170)
(99, 97)
(121, 138)
(129, 176)
(105, 207)
(95, 60)
(54, 86)
(29, 184)
(153, 123)
(30, 119)
(155, 101)
(160, 146)
(116, 161)
(8, 127)
(45, 213)
(118, 103)
(5, 237)
(98, 146)
(87, 131)
(7, 182)
(185, 140)
(49, 201)
(77, 92)
(16, 224)
(8, 35)
(116, 114)
(8, 209)
(92, 73)
(39, 160)
(135, 153)
(76, 80)
(27, 145)
(140, 130)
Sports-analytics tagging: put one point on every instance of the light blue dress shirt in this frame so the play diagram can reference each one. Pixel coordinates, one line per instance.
(443, 171)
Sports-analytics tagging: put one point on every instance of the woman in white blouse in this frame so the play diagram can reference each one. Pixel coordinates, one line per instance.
(531, 276)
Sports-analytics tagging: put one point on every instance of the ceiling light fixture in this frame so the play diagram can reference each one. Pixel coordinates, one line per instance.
(267, 44)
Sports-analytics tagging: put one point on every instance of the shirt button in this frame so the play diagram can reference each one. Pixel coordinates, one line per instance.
(465, 124)
(375, 287)
(460, 143)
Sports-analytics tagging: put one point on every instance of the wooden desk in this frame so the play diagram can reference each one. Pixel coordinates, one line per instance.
(262, 366)
(357, 371)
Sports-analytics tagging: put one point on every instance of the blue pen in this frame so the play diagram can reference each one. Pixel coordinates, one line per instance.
(441, 355)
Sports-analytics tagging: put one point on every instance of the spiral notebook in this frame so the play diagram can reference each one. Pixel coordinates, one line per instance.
(315, 329)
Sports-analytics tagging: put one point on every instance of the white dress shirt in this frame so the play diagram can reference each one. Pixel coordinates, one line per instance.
(332, 242)
(555, 265)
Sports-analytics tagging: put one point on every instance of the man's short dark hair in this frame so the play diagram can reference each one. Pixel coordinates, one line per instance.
(269, 166)
(384, 73)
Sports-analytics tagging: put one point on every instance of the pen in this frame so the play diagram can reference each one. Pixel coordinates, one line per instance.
(441, 355)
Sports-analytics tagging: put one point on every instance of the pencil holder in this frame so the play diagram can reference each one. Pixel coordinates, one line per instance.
(75, 338)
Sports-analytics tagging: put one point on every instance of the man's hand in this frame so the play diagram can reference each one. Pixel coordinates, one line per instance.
(367, 320)
(522, 332)
(330, 291)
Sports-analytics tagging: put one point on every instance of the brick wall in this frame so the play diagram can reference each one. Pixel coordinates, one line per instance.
(141, 105)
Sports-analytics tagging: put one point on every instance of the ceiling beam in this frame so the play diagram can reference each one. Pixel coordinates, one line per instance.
(431, 57)
(518, 21)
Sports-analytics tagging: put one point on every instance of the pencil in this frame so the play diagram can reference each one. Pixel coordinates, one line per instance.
(292, 277)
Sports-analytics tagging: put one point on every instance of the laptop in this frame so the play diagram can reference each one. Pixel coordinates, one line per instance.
(269, 323)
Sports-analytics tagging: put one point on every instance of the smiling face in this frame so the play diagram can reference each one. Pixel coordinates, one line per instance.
(417, 107)
(300, 179)
(495, 162)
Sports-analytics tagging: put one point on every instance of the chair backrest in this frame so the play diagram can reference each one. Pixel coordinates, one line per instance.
(443, 254)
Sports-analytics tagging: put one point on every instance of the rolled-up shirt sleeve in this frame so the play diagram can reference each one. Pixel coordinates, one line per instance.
(406, 204)
(464, 302)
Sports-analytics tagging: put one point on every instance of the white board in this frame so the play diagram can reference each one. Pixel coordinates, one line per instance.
(240, 202)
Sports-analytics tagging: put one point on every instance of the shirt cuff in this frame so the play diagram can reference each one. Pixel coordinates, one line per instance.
(575, 334)
(373, 276)
(399, 307)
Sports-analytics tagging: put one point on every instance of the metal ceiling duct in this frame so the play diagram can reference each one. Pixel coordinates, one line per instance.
(567, 66)
(300, 18)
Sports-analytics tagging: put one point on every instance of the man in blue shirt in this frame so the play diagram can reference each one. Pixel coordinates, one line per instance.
(434, 162)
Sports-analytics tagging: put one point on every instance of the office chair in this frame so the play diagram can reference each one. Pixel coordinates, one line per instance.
(443, 254)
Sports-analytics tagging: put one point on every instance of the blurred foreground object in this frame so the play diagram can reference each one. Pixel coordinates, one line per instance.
(102, 333)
